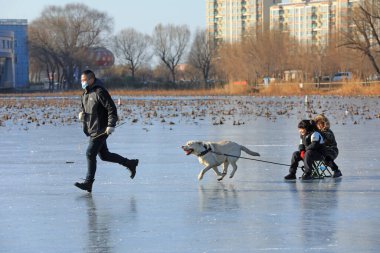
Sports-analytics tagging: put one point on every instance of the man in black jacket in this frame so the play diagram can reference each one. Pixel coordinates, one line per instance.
(99, 117)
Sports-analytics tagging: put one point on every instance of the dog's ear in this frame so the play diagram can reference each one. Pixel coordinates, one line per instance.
(190, 143)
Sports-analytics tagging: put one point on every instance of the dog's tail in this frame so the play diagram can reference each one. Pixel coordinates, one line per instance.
(249, 152)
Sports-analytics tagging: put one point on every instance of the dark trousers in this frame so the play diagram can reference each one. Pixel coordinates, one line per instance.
(99, 146)
(310, 157)
(330, 156)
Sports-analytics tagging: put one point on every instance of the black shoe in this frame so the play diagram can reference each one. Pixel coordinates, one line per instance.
(132, 164)
(337, 173)
(333, 166)
(291, 176)
(306, 176)
(86, 185)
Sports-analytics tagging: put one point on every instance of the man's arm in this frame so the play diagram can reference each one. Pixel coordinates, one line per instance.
(106, 101)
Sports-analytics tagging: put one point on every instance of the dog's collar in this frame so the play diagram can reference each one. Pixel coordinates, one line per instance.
(205, 151)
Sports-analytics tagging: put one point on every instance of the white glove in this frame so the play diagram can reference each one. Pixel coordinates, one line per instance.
(110, 130)
(81, 116)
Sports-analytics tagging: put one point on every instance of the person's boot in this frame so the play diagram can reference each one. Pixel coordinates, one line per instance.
(307, 176)
(86, 185)
(329, 162)
(334, 166)
(290, 176)
(131, 165)
(337, 173)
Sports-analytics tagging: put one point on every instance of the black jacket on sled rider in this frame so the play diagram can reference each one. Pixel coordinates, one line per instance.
(311, 149)
(332, 151)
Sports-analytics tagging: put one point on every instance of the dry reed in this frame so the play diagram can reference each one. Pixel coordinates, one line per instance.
(291, 89)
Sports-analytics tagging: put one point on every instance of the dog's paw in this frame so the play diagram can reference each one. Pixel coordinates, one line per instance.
(221, 177)
(200, 176)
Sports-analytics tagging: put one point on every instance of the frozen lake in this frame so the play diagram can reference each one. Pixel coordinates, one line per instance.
(165, 208)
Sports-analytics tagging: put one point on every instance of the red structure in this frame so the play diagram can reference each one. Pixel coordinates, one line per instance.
(102, 57)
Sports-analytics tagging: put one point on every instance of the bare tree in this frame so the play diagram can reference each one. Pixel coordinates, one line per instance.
(132, 48)
(365, 31)
(68, 32)
(202, 54)
(259, 54)
(169, 44)
(231, 62)
(42, 54)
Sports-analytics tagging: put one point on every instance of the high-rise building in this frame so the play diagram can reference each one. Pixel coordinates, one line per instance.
(14, 53)
(229, 20)
(312, 22)
(309, 22)
(344, 13)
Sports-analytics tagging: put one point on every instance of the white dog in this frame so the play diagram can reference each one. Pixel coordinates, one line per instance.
(213, 154)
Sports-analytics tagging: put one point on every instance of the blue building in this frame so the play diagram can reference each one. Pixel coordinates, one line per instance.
(7, 68)
(14, 53)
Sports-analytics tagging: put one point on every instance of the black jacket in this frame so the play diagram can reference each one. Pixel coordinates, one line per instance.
(99, 109)
(330, 143)
(329, 137)
(312, 141)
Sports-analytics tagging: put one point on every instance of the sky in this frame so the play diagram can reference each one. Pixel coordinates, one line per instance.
(142, 15)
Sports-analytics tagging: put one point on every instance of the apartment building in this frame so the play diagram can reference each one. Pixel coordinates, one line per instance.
(229, 20)
(344, 13)
(312, 22)
(309, 22)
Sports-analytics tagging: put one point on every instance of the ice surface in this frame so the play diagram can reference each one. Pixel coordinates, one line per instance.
(165, 208)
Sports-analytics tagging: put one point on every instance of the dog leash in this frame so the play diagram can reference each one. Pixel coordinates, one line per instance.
(253, 159)
(106, 132)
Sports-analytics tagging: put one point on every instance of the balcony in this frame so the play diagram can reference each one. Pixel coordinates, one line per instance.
(217, 15)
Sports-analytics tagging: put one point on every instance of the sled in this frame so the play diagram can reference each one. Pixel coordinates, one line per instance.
(319, 170)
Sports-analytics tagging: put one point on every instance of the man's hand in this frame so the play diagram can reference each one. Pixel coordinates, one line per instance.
(110, 130)
(81, 116)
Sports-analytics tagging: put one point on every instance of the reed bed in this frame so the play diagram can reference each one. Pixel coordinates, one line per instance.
(291, 89)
